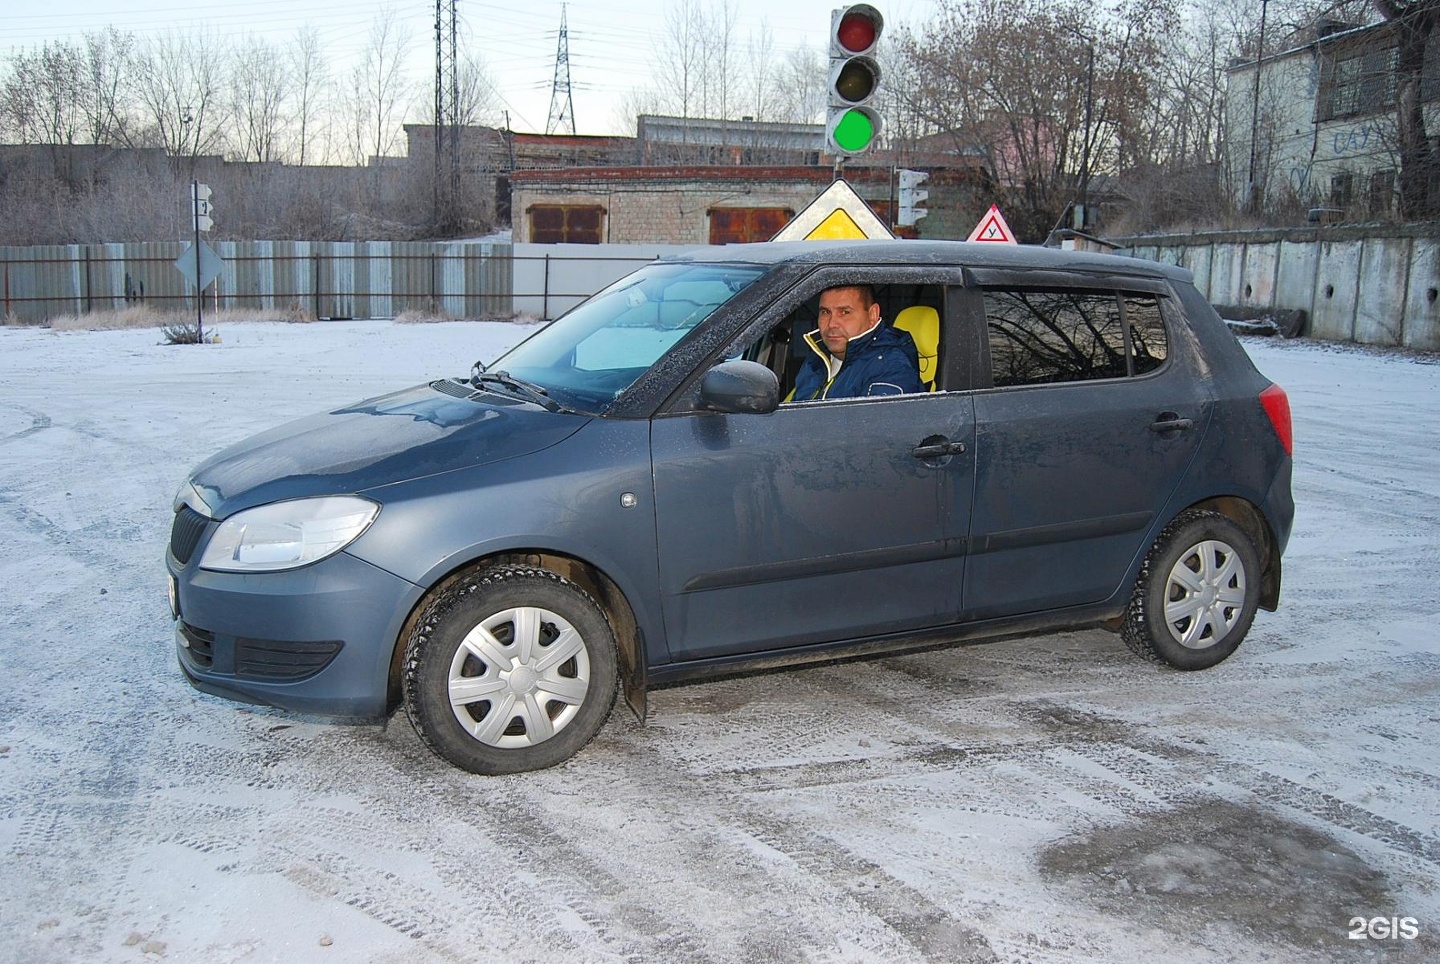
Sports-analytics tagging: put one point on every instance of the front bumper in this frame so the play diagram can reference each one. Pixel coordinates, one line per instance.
(317, 640)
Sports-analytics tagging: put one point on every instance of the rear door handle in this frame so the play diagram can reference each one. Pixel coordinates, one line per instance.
(1170, 422)
(937, 450)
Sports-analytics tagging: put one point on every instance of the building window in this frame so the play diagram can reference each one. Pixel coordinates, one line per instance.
(1356, 81)
(566, 223)
(1342, 189)
(740, 225)
(1382, 193)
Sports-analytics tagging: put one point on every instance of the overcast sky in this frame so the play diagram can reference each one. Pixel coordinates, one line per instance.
(611, 41)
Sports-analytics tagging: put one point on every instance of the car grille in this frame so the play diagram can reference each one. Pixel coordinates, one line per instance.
(185, 533)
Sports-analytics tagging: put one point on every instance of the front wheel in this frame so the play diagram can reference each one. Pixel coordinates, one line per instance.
(510, 669)
(1197, 593)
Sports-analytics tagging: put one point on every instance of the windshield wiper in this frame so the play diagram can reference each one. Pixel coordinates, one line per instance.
(529, 390)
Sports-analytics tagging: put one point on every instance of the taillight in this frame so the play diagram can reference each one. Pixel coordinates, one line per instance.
(1277, 406)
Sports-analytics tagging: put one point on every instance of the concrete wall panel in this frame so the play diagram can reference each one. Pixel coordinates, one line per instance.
(1422, 301)
(1384, 278)
(1295, 277)
(1336, 283)
(1199, 259)
(1227, 271)
(1257, 280)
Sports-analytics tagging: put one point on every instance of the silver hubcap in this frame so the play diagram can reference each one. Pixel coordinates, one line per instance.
(519, 677)
(1204, 594)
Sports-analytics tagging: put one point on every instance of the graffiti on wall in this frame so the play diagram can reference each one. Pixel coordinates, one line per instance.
(1365, 139)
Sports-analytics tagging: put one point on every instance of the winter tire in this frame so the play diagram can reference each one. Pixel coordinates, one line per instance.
(1197, 593)
(510, 669)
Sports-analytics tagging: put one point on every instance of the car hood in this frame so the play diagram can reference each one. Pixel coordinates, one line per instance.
(393, 438)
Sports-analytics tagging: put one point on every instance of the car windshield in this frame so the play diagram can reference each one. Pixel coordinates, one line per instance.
(587, 357)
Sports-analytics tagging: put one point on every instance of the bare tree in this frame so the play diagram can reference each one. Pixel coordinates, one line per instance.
(377, 90)
(1050, 93)
(681, 61)
(703, 69)
(105, 86)
(41, 95)
(260, 90)
(180, 93)
(1416, 22)
(310, 75)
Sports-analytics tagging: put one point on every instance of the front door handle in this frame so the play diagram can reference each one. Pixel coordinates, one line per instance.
(937, 449)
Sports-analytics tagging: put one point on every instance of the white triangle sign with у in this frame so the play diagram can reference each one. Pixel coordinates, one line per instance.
(992, 227)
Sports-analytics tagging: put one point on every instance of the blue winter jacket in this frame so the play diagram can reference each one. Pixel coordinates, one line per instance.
(883, 361)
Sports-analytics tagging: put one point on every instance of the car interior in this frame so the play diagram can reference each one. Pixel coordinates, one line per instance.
(916, 308)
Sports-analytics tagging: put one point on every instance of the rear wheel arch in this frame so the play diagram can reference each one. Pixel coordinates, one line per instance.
(1248, 517)
(1197, 592)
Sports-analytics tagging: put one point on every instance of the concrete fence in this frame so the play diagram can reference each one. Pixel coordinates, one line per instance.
(1375, 286)
(356, 280)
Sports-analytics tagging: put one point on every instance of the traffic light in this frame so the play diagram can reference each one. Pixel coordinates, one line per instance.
(852, 127)
(912, 197)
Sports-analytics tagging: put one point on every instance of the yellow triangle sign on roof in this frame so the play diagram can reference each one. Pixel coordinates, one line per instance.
(838, 213)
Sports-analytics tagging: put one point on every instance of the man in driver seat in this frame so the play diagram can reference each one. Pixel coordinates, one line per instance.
(853, 353)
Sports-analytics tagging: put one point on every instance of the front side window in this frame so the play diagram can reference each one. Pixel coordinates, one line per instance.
(586, 358)
(911, 311)
(1039, 336)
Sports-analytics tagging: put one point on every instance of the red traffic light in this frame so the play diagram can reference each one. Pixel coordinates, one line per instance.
(858, 29)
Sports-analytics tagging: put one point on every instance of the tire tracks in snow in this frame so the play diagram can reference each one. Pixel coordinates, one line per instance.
(39, 423)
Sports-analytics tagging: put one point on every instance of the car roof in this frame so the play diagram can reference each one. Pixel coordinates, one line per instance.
(975, 254)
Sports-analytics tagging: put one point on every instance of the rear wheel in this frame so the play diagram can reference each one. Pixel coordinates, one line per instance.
(1197, 593)
(510, 669)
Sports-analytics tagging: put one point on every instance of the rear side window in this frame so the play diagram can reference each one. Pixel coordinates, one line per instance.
(1043, 336)
(1148, 345)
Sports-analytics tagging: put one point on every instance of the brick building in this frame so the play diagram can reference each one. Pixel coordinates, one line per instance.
(714, 204)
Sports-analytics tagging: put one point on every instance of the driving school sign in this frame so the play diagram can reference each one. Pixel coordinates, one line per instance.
(992, 227)
(837, 214)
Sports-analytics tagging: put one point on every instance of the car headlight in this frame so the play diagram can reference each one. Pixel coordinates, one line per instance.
(287, 535)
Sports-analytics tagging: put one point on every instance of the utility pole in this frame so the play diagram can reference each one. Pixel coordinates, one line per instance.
(1252, 194)
(1085, 153)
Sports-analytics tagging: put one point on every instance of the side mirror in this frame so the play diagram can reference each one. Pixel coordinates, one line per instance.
(740, 386)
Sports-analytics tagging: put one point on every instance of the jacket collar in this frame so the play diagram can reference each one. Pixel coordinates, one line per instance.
(831, 362)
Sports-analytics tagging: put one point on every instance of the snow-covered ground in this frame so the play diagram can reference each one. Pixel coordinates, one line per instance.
(1050, 799)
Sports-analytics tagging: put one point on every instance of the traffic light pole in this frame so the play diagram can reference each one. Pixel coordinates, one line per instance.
(199, 294)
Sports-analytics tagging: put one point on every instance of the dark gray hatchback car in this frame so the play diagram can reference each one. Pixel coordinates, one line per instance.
(625, 499)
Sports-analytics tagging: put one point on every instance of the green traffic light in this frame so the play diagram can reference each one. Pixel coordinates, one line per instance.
(854, 131)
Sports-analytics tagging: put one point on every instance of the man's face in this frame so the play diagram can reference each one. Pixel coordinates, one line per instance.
(843, 315)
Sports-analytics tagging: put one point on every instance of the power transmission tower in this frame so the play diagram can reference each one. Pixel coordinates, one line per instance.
(562, 105)
(447, 115)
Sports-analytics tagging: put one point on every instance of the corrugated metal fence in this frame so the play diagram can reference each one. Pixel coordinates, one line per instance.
(326, 279)
(323, 279)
